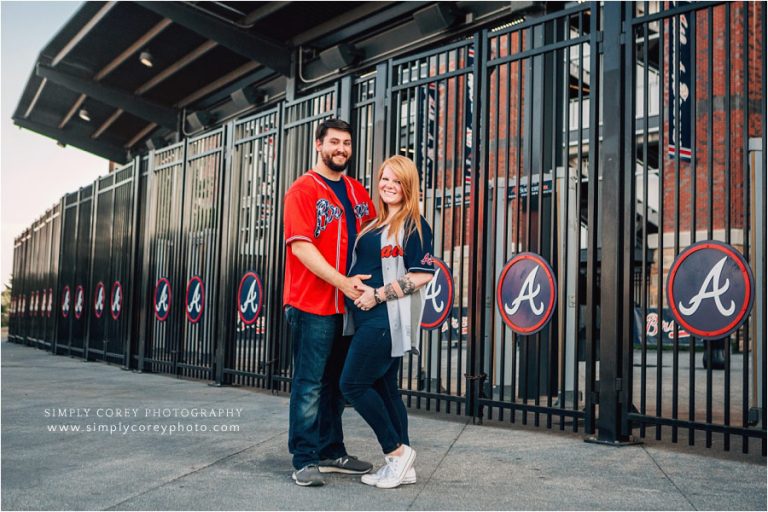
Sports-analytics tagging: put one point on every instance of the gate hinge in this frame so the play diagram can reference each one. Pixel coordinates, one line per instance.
(594, 397)
(618, 384)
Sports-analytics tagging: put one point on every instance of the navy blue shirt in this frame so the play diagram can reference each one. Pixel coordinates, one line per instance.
(340, 189)
(417, 257)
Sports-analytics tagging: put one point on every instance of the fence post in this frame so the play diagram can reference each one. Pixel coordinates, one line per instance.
(614, 210)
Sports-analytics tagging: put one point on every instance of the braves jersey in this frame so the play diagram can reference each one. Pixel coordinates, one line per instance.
(314, 214)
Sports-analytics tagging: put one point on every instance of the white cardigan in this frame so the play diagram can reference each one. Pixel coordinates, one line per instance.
(404, 313)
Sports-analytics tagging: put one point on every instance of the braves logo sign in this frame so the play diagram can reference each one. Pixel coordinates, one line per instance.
(250, 298)
(98, 300)
(79, 301)
(195, 299)
(116, 300)
(65, 300)
(526, 293)
(710, 289)
(162, 299)
(439, 296)
(326, 213)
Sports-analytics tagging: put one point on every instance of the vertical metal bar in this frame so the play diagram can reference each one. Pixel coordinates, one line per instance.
(727, 212)
(662, 156)
(592, 212)
(676, 341)
(745, 214)
(613, 216)
(710, 197)
(478, 274)
(693, 218)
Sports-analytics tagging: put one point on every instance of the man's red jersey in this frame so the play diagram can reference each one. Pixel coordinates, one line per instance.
(314, 214)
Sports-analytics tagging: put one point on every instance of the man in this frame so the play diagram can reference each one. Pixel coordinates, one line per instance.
(324, 210)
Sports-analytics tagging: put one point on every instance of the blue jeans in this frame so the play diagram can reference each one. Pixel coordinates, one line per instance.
(319, 349)
(369, 382)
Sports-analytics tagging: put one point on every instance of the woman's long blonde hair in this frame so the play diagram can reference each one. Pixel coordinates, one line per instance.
(409, 216)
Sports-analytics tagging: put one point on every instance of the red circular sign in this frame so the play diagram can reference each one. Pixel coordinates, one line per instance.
(526, 293)
(710, 289)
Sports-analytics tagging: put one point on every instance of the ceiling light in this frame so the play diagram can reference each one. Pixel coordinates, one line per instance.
(83, 114)
(146, 58)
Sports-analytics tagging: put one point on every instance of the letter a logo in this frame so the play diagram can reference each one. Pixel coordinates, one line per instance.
(713, 279)
(527, 292)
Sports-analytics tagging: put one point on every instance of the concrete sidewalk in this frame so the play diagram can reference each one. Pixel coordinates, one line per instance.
(247, 467)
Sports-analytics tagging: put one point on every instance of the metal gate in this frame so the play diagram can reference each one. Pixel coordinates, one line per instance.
(74, 262)
(696, 165)
(252, 241)
(162, 325)
(431, 121)
(112, 260)
(538, 190)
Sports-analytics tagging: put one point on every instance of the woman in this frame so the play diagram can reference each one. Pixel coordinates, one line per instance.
(395, 250)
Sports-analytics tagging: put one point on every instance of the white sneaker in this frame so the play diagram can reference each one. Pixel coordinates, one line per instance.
(373, 478)
(397, 468)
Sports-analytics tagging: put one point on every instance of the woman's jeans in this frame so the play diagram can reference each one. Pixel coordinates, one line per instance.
(369, 383)
(314, 425)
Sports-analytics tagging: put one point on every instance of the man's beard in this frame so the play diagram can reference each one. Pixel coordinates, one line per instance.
(328, 161)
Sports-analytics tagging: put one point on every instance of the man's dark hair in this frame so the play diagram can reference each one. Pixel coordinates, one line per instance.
(336, 124)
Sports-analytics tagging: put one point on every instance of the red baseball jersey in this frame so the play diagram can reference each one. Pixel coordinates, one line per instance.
(314, 214)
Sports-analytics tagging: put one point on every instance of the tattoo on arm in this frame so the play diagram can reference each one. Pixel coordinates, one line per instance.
(406, 285)
(389, 292)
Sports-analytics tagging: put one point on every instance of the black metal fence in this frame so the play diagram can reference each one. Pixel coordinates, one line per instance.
(562, 135)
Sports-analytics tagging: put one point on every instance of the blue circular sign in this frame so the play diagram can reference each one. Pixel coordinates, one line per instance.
(439, 297)
(116, 300)
(250, 298)
(79, 301)
(162, 299)
(710, 289)
(98, 300)
(195, 299)
(526, 294)
(65, 301)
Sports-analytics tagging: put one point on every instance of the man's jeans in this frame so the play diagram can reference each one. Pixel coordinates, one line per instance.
(319, 350)
(369, 382)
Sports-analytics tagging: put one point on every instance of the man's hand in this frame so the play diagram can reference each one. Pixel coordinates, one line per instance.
(351, 285)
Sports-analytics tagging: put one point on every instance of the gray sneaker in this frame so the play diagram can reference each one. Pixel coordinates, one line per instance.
(308, 476)
(348, 464)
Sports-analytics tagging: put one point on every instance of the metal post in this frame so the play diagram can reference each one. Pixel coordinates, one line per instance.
(479, 297)
(613, 213)
(132, 274)
(223, 338)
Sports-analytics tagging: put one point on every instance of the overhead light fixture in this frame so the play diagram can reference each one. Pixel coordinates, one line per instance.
(247, 96)
(83, 114)
(146, 58)
(199, 120)
(340, 56)
(436, 18)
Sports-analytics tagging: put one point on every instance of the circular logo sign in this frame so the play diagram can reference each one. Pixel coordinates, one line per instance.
(250, 297)
(710, 289)
(439, 297)
(162, 302)
(116, 300)
(50, 302)
(79, 301)
(98, 300)
(527, 293)
(195, 299)
(66, 298)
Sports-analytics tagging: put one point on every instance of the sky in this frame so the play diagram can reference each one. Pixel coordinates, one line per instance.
(34, 172)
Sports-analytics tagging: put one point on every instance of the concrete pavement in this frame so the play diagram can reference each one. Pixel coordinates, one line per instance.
(236, 458)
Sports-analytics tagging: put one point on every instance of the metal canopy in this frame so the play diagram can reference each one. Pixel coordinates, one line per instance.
(120, 73)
